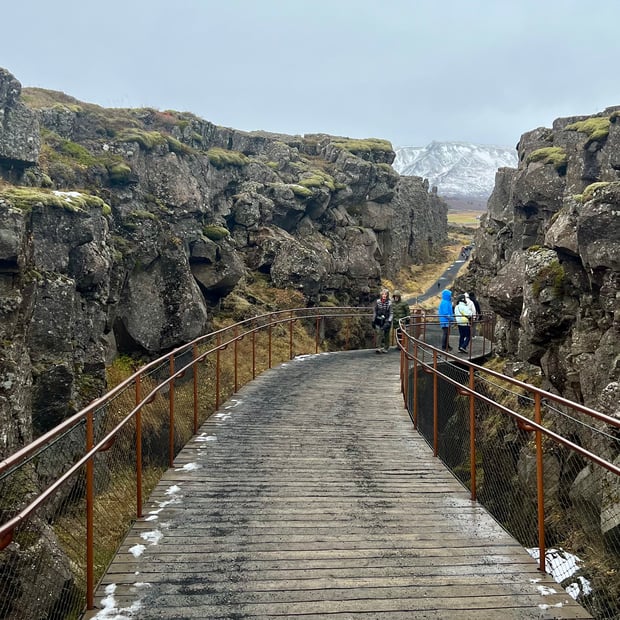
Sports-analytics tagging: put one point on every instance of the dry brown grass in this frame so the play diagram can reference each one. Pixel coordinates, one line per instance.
(464, 218)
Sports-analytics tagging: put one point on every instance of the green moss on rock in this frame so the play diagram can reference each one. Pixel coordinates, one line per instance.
(25, 198)
(363, 146)
(215, 233)
(318, 178)
(300, 191)
(588, 192)
(119, 173)
(148, 140)
(596, 127)
(554, 155)
(78, 153)
(220, 158)
(553, 275)
(176, 146)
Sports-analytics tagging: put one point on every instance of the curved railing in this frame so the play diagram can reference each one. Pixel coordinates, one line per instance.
(68, 498)
(547, 468)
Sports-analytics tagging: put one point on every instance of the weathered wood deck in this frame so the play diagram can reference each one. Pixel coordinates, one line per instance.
(310, 495)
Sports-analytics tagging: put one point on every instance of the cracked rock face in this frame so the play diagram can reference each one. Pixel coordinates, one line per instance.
(19, 128)
(547, 256)
(177, 214)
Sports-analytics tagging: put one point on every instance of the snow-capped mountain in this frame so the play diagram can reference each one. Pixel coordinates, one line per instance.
(458, 169)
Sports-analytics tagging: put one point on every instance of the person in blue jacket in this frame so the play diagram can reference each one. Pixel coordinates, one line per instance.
(446, 318)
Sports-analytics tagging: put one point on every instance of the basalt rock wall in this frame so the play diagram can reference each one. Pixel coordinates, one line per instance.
(547, 256)
(547, 261)
(122, 231)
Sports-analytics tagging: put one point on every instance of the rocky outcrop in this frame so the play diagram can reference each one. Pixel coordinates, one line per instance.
(547, 256)
(19, 129)
(547, 261)
(173, 214)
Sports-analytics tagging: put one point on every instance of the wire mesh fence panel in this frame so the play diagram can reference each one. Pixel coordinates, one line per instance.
(42, 570)
(545, 468)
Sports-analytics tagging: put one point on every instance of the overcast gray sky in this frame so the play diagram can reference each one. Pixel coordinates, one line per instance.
(410, 71)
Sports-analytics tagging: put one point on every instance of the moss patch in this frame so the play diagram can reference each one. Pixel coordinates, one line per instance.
(220, 158)
(300, 191)
(25, 198)
(597, 127)
(119, 173)
(554, 155)
(148, 140)
(318, 178)
(363, 146)
(588, 192)
(178, 147)
(215, 233)
(553, 275)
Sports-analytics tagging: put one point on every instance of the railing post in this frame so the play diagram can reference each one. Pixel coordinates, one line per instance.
(540, 486)
(472, 434)
(415, 385)
(236, 361)
(217, 372)
(90, 500)
(195, 387)
(435, 407)
(347, 333)
(404, 374)
(290, 338)
(269, 344)
(253, 354)
(171, 411)
(138, 447)
(316, 334)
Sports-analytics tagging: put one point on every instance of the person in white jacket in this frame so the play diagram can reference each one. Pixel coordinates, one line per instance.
(464, 317)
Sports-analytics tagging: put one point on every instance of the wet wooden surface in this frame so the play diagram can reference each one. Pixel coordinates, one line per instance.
(310, 495)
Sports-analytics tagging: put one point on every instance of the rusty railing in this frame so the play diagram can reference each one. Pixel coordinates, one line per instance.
(546, 468)
(68, 498)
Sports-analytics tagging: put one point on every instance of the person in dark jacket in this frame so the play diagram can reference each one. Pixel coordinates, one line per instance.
(382, 320)
(400, 310)
(477, 313)
(446, 318)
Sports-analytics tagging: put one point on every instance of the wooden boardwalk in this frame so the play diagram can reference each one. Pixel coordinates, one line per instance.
(309, 495)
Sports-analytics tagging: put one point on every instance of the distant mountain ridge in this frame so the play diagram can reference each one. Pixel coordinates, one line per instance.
(459, 170)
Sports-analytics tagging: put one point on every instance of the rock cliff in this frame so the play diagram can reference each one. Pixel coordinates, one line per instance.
(547, 257)
(122, 230)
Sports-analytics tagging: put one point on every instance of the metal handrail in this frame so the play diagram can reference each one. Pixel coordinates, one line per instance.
(215, 342)
(418, 355)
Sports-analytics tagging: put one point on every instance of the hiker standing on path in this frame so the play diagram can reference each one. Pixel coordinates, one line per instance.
(446, 318)
(463, 320)
(382, 320)
(400, 310)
